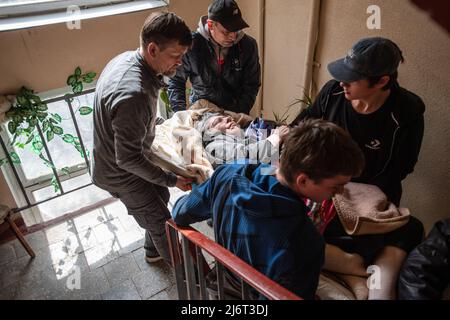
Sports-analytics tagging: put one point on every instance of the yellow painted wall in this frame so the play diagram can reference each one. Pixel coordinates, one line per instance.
(252, 14)
(286, 26)
(42, 57)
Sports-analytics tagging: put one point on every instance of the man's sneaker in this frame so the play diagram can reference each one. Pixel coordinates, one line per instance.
(153, 259)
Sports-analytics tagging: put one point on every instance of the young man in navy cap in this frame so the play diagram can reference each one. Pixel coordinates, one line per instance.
(222, 64)
(387, 122)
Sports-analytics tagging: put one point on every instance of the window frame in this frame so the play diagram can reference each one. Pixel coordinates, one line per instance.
(19, 9)
(28, 15)
(33, 215)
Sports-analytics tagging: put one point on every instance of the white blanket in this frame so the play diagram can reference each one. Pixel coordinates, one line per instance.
(178, 147)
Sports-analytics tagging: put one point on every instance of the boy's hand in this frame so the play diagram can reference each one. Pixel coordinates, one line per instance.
(184, 184)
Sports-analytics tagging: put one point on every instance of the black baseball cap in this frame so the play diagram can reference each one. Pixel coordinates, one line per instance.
(228, 14)
(369, 57)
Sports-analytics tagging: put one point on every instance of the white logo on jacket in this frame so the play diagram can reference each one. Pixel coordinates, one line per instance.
(375, 144)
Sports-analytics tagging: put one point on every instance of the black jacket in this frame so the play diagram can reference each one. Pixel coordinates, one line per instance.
(402, 134)
(426, 272)
(234, 88)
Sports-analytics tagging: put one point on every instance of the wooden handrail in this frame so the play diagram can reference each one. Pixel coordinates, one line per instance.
(253, 277)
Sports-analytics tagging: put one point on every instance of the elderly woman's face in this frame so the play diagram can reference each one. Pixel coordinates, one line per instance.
(224, 124)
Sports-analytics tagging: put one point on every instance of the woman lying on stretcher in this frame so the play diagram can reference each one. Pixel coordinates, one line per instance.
(225, 141)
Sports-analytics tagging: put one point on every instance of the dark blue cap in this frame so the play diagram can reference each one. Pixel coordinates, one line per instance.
(228, 14)
(369, 57)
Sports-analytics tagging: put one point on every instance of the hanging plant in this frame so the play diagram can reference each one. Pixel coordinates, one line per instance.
(27, 111)
(76, 80)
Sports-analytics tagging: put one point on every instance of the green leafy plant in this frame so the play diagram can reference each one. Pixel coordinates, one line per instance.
(76, 79)
(306, 100)
(164, 95)
(165, 98)
(28, 111)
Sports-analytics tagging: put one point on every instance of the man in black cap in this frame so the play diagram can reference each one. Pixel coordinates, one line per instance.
(385, 119)
(387, 122)
(222, 64)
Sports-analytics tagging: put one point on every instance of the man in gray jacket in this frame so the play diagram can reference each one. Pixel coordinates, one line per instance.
(124, 127)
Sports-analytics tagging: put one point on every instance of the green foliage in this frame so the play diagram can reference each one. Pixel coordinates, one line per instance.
(281, 120)
(76, 80)
(14, 157)
(165, 98)
(85, 110)
(55, 184)
(28, 111)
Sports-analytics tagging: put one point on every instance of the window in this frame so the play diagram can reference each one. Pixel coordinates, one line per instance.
(26, 7)
(36, 177)
(18, 14)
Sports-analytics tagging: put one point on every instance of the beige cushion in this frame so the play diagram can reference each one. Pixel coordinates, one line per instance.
(330, 289)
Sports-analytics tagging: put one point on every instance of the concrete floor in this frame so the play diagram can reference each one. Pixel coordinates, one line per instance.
(98, 255)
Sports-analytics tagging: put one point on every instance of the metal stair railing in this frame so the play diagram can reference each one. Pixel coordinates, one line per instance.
(188, 264)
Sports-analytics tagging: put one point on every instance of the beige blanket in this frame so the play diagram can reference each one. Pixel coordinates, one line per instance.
(203, 105)
(364, 209)
(178, 147)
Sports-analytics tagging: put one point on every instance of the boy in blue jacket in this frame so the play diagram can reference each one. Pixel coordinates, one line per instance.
(258, 211)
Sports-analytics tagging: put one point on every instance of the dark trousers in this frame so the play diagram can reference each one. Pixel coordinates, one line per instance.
(368, 246)
(148, 206)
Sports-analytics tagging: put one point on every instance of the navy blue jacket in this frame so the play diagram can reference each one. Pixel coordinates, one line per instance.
(261, 221)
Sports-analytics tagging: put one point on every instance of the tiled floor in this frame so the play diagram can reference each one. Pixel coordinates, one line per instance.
(98, 255)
